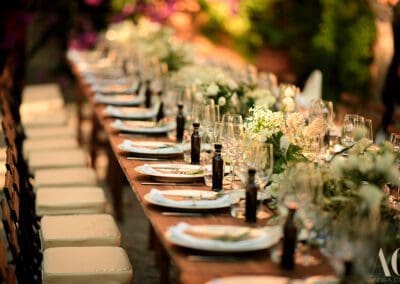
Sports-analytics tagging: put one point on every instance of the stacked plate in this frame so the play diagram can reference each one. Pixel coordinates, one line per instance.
(221, 238)
(152, 149)
(143, 127)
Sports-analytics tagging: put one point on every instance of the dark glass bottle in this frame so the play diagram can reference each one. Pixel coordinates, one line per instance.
(347, 277)
(180, 124)
(195, 144)
(148, 93)
(125, 67)
(160, 113)
(139, 84)
(251, 197)
(217, 169)
(289, 241)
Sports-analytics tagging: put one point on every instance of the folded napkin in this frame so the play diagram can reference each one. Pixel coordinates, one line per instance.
(172, 199)
(172, 171)
(129, 88)
(251, 237)
(143, 126)
(118, 99)
(254, 279)
(131, 112)
(137, 147)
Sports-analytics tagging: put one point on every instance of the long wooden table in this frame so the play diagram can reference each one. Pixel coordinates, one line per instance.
(193, 272)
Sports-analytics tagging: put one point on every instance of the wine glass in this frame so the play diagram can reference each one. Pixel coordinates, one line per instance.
(232, 118)
(234, 139)
(368, 128)
(395, 140)
(350, 123)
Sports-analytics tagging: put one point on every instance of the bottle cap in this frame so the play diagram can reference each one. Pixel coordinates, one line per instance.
(180, 106)
(196, 124)
(217, 146)
(252, 171)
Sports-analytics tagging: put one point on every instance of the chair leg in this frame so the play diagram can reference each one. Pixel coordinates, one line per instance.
(162, 261)
(79, 103)
(116, 180)
(93, 141)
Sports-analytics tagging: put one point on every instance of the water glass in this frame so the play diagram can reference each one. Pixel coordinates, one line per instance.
(369, 132)
(238, 204)
(350, 124)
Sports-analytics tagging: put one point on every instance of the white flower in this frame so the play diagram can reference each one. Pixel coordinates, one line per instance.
(288, 91)
(384, 162)
(288, 104)
(264, 122)
(235, 99)
(198, 96)
(232, 84)
(221, 101)
(316, 128)
(295, 120)
(366, 164)
(212, 90)
(337, 166)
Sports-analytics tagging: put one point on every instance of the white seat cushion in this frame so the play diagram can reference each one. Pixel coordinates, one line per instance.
(49, 144)
(51, 131)
(65, 177)
(40, 92)
(79, 231)
(44, 119)
(81, 265)
(65, 201)
(57, 159)
(41, 97)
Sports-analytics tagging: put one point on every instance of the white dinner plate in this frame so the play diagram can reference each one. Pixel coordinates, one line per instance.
(120, 100)
(150, 148)
(143, 127)
(262, 238)
(221, 202)
(130, 112)
(252, 279)
(171, 172)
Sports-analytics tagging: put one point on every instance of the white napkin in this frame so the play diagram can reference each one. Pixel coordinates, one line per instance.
(136, 147)
(254, 279)
(158, 196)
(268, 235)
(118, 99)
(115, 111)
(120, 125)
(151, 170)
(313, 86)
(112, 89)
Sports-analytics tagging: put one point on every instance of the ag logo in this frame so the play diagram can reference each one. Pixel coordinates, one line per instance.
(393, 263)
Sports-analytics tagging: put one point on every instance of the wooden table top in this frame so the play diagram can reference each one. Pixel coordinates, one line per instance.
(255, 263)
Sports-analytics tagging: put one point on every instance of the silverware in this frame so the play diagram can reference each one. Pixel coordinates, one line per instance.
(188, 214)
(144, 159)
(222, 258)
(172, 184)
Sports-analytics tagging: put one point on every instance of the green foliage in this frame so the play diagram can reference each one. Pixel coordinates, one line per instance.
(282, 158)
(335, 36)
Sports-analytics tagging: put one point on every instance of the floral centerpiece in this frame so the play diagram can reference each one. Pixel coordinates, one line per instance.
(225, 92)
(268, 126)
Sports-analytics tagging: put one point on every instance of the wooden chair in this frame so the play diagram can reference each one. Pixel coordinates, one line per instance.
(7, 273)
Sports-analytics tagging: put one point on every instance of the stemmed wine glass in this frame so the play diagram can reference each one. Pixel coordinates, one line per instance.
(350, 124)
